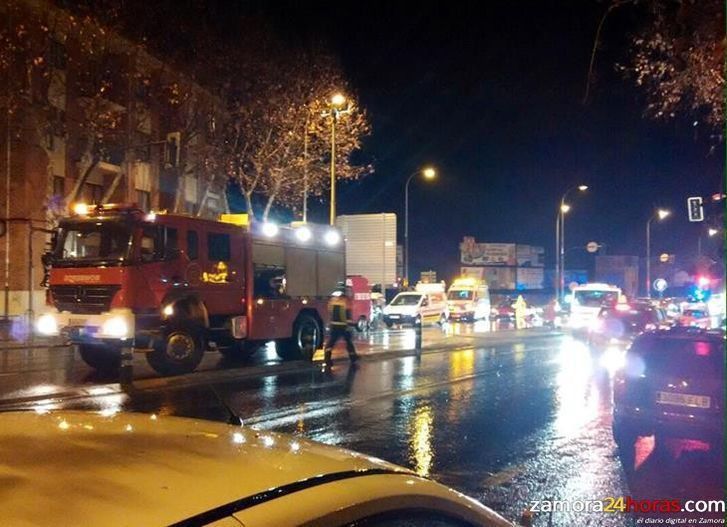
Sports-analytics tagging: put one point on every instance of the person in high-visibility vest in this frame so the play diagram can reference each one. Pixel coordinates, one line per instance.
(520, 307)
(339, 312)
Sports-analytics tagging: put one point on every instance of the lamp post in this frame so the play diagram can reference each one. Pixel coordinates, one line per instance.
(428, 173)
(337, 102)
(560, 240)
(660, 214)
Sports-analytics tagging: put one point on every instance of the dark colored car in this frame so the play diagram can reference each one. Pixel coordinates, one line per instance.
(622, 323)
(672, 385)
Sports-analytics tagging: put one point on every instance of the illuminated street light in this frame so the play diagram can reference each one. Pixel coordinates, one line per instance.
(560, 240)
(659, 214)
(428, 173)
(338, 100)
(335, 111)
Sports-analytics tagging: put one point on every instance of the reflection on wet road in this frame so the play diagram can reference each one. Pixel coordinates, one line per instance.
(506, 423)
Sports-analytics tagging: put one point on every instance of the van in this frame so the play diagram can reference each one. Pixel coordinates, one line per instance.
(468, 299)
(416, 308)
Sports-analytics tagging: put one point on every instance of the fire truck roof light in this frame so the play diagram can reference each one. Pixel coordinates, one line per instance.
(303, 234)
(332, 237)
(270, 229)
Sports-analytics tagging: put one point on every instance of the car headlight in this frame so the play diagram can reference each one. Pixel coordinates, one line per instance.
(47, 325)
(115, 327)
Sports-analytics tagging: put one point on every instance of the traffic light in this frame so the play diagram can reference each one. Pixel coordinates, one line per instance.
(171, 149)
(694, 206)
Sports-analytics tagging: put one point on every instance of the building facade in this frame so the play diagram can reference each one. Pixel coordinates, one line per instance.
(91, 118)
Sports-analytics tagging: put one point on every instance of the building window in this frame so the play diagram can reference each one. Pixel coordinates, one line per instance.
(92, 193)
(192, 245)
(59, 186)
(57, 55)
(143, 200)
(218, 247)
(269, 281)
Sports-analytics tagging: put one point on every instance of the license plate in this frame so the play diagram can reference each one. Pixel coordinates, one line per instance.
(393, 316)
(76, 322)
(683, 399)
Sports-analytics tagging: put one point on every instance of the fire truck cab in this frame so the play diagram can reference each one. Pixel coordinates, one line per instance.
(174, 286)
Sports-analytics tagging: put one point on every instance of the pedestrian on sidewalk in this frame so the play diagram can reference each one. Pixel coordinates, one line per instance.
(339, 312)
(520, 309)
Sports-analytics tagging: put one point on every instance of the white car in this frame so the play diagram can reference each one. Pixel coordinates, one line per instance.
(415, 309)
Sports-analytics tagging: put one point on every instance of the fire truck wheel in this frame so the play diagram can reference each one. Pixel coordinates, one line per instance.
(304, 342)
(179, 352)
(100, 357)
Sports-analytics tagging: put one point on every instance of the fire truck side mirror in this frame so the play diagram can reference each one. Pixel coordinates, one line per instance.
(47, 259)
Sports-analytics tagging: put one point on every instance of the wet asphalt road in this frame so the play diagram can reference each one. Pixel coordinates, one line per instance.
(505, 422)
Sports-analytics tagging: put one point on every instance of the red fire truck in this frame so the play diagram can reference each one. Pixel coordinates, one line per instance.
(174, 286)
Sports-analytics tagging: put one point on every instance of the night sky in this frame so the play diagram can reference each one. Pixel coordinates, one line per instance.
(490, 93)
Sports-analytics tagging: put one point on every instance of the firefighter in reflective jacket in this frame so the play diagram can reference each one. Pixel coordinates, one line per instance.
(339, 312)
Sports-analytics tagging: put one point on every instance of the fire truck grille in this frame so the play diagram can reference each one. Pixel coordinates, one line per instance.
(87, 299)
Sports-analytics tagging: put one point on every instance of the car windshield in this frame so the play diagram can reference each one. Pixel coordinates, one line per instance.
(459, 294)
(93, 242)
(676, 356)
(406, 300)
(595, 298)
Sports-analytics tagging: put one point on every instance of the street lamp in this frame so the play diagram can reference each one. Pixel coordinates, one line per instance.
(659, 214)
(428, 173)
(560, 240)
(336, 105)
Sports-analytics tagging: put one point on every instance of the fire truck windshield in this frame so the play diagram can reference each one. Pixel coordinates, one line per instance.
(93, 242)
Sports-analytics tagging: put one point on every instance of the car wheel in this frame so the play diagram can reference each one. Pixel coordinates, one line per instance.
(442, 319)
(100, 357)
(304, 342)
(389, 324)
(180, 351)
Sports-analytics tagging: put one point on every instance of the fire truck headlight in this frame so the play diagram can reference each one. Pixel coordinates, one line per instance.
(81, 209)
(168, 310)
(332, 237)
(303, 234)
(115, 327)
(269, 229)
(46, 325)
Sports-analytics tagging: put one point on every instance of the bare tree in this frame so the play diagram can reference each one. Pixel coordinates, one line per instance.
(279, 134)
(678, 58)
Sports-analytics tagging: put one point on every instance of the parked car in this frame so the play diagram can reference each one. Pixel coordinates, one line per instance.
(672, 385)
(415, 309)
(695, 317)
(83, 468)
